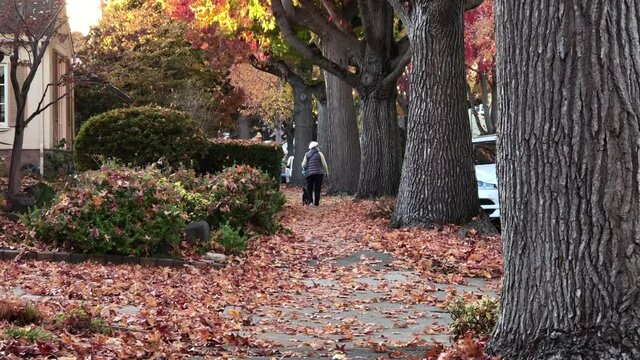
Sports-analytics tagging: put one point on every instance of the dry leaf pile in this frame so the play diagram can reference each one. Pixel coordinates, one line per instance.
(179, 313)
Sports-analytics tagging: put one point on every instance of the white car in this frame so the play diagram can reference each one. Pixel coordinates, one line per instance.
(484, 156)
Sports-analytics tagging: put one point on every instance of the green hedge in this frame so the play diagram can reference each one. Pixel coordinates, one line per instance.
(138, 136)
(222, 154)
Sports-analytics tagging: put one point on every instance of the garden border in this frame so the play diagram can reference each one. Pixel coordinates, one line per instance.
(75, 258)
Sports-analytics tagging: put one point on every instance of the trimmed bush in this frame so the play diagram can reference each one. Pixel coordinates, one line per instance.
(138, 136)
(115, 210)
(222, 154)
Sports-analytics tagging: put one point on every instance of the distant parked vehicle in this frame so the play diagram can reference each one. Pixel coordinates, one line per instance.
(484, 156)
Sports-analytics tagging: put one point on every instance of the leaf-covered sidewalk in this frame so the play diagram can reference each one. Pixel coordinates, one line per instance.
(339, 283)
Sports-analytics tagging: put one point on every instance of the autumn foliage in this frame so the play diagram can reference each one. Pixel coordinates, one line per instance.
(479, 39)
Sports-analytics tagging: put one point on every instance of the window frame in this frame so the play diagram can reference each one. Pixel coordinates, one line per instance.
(5, 69)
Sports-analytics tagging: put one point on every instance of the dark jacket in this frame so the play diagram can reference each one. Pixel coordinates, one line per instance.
(314, 161)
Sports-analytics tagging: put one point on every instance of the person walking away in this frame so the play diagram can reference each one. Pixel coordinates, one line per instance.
(315, 168)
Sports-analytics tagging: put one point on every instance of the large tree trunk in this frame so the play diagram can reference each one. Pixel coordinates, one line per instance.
(438, 179)
(303, 117)
(243, 126)
(381, 141)
(322, 116)
(15, 170)
(494, 107)
(569, 85)
(338, 135)
(381, 145)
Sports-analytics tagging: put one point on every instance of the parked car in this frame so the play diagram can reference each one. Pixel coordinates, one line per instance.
(484, 156)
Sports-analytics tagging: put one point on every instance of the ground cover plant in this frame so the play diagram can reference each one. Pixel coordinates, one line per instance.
(114, 210)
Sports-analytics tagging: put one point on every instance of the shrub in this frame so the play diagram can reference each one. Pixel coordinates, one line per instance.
(138, 136)
(57, 163)
(247, 199)
(115, 210)
(31, 334)
(42, 192)
(195, 193)
(231, 240)
(477, 317)
(19, 313)
(222, 154)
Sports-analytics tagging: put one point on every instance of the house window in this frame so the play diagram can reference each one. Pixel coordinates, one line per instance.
(4, 96)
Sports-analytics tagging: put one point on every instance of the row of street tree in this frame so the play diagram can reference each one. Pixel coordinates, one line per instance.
(568, 83)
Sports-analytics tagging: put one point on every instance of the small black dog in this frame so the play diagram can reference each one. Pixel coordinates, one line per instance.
(306, 197)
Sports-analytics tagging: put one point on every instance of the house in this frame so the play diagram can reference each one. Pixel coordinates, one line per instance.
(55, 125)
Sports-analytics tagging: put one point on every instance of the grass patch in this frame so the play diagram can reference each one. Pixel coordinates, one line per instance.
(31, 334)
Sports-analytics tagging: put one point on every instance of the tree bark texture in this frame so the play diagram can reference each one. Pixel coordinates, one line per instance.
(243, 125)
(303, 117)
(338, 133)
(438, 179)
(15, 170)
(494, 107)
(569, 91)
(381, 162)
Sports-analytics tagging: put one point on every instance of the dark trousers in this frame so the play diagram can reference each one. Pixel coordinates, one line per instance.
(314, 183)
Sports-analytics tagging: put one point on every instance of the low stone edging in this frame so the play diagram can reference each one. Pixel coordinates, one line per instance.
(74, 258)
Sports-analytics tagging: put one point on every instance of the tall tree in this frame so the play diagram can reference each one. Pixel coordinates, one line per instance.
(27, 30)
(251, 20)
(302, 108)
(338, 133)
(438, 179)
(372, 49)
(156, 60)
(569, 156)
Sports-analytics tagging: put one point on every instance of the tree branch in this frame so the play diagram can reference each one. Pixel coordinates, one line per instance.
(402, 47)
(304, 50)
(319, 91)
(471, 4)
(401, 64)
(336, 17)
(40, 109)
(312, 17)
(402, 12)
(278, 68)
